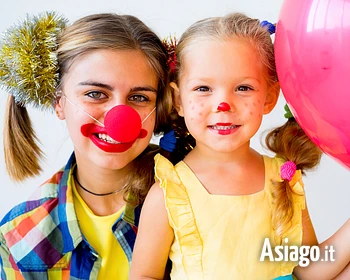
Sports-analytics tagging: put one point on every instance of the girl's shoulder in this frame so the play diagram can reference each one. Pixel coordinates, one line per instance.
(55, 193)
(169, 179)
(165, 170)
(47, 215)
(272, 167)
(43, 196)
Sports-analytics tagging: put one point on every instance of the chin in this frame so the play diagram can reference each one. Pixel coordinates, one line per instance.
(115, 163)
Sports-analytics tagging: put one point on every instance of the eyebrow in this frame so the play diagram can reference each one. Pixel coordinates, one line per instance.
(200, 79)
(251, 78)
(209, 79)
(146, 88)
(102, 85)
(96, 84)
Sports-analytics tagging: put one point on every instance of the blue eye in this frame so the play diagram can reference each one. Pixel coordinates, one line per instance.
(97, 95)
(202, 89)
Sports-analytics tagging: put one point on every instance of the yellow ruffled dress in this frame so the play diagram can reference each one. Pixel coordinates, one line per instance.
(220, 236)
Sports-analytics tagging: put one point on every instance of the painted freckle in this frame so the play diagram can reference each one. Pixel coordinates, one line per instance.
(246, 104)
(202, 104)
(192, 107)
(190, 101)
(200, 113)
(251, 113)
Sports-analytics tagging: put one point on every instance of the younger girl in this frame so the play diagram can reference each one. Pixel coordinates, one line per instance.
(213, 212)
(106, 76)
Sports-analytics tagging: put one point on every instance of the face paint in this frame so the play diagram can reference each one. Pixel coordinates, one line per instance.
(122, 123)
(224, 107)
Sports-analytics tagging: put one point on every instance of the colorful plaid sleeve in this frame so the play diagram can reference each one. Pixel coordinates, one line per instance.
(8, 268)
(40, 239)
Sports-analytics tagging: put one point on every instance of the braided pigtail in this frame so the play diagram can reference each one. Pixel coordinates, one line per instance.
(290, 143)
(30, 81)
(180, 136)
(185, 141)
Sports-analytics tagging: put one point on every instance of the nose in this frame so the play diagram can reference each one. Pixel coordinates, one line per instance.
(224, 107)
(123, 123)
(112, 103)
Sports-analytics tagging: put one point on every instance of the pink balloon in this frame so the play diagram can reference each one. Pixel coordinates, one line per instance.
(312, 48)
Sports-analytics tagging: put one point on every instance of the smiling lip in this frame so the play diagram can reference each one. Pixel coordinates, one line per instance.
(100, 138)
(224, 128)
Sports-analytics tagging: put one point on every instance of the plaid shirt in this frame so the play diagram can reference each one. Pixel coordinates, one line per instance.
(41, 238)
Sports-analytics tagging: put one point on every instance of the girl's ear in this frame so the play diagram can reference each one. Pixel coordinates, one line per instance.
(271, 97)
(178, 103)
(58, 106)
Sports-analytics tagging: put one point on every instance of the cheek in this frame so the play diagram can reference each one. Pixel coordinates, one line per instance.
(75, 119)
(149, 124)
(254, 108)
(194, 108)
(147, 130)
(253, 113)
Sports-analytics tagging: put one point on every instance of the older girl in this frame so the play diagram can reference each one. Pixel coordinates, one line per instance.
(108, 85)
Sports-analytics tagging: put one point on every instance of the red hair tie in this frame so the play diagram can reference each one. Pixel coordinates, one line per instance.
(170, 46)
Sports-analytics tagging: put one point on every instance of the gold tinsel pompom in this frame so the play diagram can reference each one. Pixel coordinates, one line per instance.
(28, 64)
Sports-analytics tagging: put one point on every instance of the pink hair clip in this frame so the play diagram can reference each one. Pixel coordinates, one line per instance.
(288, 170)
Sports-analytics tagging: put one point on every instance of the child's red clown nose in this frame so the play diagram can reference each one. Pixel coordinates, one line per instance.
(123, 123)
(223, 106)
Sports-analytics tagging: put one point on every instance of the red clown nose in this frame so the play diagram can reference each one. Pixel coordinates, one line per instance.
(223, 106)
(123, 123)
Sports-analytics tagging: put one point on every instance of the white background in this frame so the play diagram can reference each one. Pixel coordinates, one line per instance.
(327, 188)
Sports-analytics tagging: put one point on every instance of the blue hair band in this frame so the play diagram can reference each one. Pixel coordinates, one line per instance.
(168, 141)
(270, 27)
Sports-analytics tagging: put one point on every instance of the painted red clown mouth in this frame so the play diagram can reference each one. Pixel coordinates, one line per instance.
(98, 135)
(224, 128)
(122, 127)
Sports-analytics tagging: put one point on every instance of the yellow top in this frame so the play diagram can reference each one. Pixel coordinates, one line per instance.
(98, 232)
(221, 236)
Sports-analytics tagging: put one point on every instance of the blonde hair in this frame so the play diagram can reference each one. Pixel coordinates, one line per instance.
(288, 142)
(94, 32)
(237, 26)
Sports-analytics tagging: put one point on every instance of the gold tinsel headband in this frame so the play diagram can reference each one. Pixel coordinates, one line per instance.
(28, 63)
